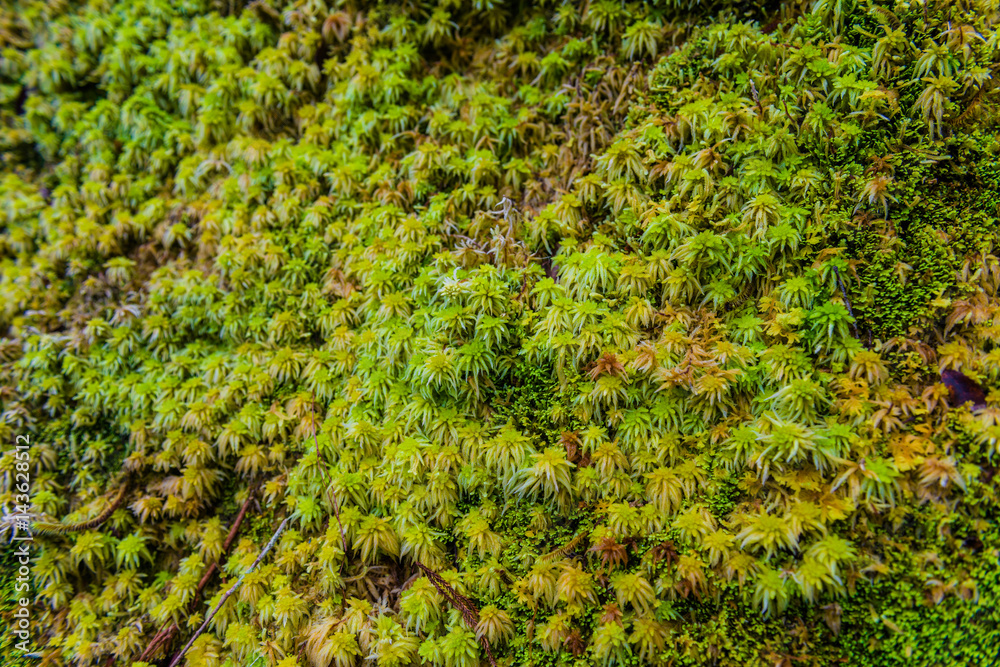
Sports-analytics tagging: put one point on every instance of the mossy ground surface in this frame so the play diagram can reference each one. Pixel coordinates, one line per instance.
(646, 327)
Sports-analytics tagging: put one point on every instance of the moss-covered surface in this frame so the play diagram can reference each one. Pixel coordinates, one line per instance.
(627, 320)
(9, 597)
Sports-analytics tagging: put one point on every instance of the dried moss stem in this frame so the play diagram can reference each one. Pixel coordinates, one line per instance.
(60, 528)
(227, 594)
(566, 548)
(470, 614)
(165, 635)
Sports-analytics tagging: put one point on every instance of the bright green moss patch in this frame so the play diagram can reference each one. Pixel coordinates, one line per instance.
(912, 267)
(9, 596)
(627, 321)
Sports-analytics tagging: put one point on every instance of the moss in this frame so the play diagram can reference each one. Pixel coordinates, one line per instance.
(627, 319)
(910, 265)
(726, 497)
(526, 398)
(892, 624)
(259, 527)
(9, 596)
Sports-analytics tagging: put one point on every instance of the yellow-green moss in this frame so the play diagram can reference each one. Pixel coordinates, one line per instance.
(626, 319)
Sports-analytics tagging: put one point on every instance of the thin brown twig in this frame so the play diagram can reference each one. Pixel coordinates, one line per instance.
(470, 614)
(214, 567)
(227, 594)
(165, 635)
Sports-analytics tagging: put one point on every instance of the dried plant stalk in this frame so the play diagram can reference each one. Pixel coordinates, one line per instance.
(470, 614)
(60, 528)
(166, 634)
(227, 594)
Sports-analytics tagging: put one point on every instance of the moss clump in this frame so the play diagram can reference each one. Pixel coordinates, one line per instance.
(912, 265)
(627, 321)
(9, 596)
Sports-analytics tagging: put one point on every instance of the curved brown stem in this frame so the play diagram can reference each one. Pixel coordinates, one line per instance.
(61, 528)
(165, 636)
(228, 593)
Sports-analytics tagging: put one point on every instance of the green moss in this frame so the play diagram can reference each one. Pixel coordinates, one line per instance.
(910, 266)
(526, 398)
(9, 596)
(611, 313)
